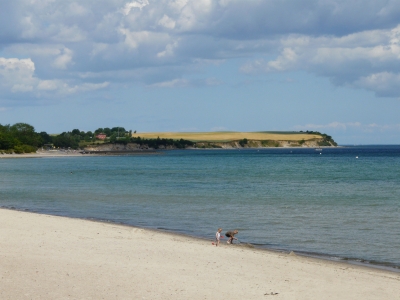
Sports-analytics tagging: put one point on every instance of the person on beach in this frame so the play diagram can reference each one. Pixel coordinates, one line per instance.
(231, 236)
(218, 236)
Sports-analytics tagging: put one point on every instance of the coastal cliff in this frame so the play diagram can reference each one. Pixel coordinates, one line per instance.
(113, 147)
(264, 144)
(212, 140)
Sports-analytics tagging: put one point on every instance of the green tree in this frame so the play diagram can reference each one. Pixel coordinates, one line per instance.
(46, 139)
(66, 140)
(26, 134)
(113, 138)
(7, 141)
(76, 132)
(243, 142)
(98, 130)
(107, 131)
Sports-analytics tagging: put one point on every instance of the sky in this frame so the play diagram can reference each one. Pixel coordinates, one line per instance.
(200, 65)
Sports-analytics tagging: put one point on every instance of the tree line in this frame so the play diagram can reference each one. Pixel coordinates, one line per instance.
(22, 138)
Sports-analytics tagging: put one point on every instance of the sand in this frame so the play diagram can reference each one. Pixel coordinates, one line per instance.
(43, 154)
(49, 257)
(51, 154)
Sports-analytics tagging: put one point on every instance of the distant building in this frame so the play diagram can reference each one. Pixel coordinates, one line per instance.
(101, 136)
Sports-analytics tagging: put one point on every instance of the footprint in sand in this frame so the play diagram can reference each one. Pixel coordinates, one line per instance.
(271, 294)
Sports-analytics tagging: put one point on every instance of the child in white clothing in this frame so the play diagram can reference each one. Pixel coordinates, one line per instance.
(218, 236)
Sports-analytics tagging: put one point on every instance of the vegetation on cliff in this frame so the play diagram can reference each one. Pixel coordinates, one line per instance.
(327, 140)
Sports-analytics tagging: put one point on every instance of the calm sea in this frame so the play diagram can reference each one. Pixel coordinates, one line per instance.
(341, 203)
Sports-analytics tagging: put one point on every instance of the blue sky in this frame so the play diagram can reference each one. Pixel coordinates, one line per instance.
(202, 65)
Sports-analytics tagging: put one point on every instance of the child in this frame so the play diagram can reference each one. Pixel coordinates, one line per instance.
(218, 236)
(231, 236)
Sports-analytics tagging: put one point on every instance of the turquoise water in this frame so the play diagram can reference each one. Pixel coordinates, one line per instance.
(330, 204)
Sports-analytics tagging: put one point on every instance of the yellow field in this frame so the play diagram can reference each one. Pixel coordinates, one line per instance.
(228, 136)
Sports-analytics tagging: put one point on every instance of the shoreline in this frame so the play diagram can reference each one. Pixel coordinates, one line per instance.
(61, 257)
(318, 256)
(44, 154)
(51, 154)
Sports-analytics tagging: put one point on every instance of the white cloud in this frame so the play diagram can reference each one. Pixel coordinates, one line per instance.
(47, 85)
(384, 84)
(333, 125)
(171, 83)
(135, 4)
(63, 60)
(85, 87)
(134, 39)
(169, 50)
(369, 60)
(18, 76)
(349, 126)
(167, 22)
(353, 43)
(286, 61)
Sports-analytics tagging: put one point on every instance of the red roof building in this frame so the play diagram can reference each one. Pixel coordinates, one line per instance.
(101, 136)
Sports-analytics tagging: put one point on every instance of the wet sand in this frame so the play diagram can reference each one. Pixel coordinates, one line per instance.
(49, 257)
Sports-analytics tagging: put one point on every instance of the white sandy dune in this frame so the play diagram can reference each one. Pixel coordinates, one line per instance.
(48, 257)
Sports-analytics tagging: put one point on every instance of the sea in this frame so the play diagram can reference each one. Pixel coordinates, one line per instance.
(336, 203)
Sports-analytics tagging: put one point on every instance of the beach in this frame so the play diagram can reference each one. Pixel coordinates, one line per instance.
(51, 257)
(74, 153)
(42, 155)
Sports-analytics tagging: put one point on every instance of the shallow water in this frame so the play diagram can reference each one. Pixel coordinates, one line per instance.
(331, 204)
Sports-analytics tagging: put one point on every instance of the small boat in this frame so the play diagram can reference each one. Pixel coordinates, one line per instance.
(318, 149)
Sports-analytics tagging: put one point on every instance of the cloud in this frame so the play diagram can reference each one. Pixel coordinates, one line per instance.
(64, 58)
(135, 4)
(171, 83)
(384, 84)
(353, 43)
(167, 22)
(349, 126)
(18, 77)
(16, 74)
(181, 82)
(369, 59)
(169, 50)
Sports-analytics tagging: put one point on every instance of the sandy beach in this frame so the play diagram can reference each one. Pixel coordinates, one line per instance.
(72, 153)
(42, 154)
(49, 257)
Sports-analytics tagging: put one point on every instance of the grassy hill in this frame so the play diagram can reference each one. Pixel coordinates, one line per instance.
(230, 136)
